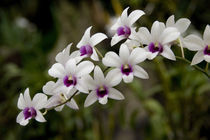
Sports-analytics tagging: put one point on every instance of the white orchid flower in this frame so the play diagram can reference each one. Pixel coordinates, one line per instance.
(124, 26)
(102, 88)
(126, 63)
(70, 75)
(30, 108)
(59, 96)
(195, 43)
(159, 40)
(87, 44)
(63, 56)
(181, 25)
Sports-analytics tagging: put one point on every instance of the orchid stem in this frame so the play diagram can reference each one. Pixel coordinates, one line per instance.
(195, 66)
(105, 69)
(207, 67)
(47, 109)
(98, 52)
(182, 49)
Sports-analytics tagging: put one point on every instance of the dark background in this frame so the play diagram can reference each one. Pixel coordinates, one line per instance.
(174, 104)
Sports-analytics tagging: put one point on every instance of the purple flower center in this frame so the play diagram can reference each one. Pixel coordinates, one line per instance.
(126, 69)
(69, 80)
(29, 112)
(124, 30)
(86, 50)
(102, 91)
(155, 47)
(207, 50)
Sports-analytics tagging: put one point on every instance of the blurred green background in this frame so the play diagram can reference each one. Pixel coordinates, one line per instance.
(174, 104)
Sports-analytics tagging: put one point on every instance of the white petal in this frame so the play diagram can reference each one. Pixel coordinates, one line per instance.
(116, 25)
(98, 75)
(113, 77)
(151, 56)
(76, 55)
(115, 94)
(168, 53)
(170, 21)
(137, 55)
(124, 16)
(53, 101)
(39, 117)
(72, 104)
(71, 92)
(198, 57)
(21, 120)
(182, 24)
(39, 101)
(116, 39)
(94, 56)
(145, 35)
(63, 56)
(59, 108)
(91, 98)
(111, 59)
(124, 53)
(49, 87)
(81, 86)
(21, 102)
(84, 68)
(193, 43)
(156, 30)
(134, 16)
(97, 38)
(103, 100)
(206, 35)
(85, 39)
(128, 79)
(207, 58)
(170, 34)
(70, 67)
(27, 97)
(57, 71)
(89, 82)
(140, 72)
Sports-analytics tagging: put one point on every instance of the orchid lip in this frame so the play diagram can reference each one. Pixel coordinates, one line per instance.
(155, 47)
(29, 112)
(86, 50)
(123, 30)
(69, 80)
(102, 91)
(207, 50)
(126, 69)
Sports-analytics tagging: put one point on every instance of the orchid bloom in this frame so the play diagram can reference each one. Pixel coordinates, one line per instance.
(63, 56)
(87, 44)
(159, 40)
(126, 63)
(71, 75)
(124, 26)
(59, 96)
(195, 43)
(101, 88)
(30, 108)
(181, 25)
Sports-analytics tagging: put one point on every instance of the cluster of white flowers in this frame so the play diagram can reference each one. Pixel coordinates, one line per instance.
(73, 70)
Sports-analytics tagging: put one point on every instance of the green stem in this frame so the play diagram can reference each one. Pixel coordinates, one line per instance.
(207, 67)
(47, 109)
(98, 52)
(182, 50)
(107, 68)
(195, 66)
